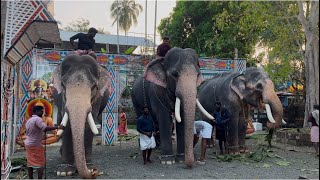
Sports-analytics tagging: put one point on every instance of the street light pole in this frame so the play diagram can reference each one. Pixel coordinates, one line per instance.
(146, 22)
(118, 48)
(155, 27)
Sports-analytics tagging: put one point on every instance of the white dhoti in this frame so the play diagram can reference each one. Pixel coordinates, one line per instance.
(146, 142)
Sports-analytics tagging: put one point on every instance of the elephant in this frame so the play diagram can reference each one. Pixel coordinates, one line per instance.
(237, 91)
(82, 88)
(168, 85)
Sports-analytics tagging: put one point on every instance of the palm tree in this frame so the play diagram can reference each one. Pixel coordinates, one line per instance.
(127, 11)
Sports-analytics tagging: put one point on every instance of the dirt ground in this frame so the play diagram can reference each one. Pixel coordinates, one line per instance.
(124, 161)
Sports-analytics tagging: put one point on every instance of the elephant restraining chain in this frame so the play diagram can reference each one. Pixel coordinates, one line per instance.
(145, 98)
(214, 87)
(144, 93)
(159, 99)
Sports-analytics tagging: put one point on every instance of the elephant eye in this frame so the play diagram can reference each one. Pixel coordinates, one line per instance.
(174, 74)
(259, 86)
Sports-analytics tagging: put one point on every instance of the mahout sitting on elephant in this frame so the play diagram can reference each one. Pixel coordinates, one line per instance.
(237, 91)
(169, 85)
(82, 91)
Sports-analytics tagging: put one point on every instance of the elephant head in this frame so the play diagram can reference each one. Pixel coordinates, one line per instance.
(255, 88)
(179, 74)
(83, 86)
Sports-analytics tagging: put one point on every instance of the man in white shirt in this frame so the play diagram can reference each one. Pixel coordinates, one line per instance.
(204, 130)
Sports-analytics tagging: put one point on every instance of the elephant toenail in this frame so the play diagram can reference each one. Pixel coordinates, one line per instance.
(163, 162)
(63, 174)
(58, 173)
(169, 162)
(69, 173)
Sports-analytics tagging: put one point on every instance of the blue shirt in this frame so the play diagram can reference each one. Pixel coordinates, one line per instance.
(145, 124)
(221, 117)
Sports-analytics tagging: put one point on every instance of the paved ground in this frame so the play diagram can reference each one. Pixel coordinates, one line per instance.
(124, 161)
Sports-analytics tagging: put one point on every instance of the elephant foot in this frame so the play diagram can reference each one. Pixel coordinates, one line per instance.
(233, 150)
(167, 159)
(243, 149)
(93, 169)
(66, 170)
(180, 158)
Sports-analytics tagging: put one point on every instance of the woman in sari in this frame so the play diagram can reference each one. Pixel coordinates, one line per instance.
(122, 127)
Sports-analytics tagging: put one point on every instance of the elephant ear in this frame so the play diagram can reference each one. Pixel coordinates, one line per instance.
(199, 79)
(104, 81)
(238, 85)
(156, 73)
(56, 79)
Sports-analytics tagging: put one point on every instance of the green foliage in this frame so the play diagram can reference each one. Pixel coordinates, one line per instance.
(211, 28)
(47, 77)
(83, 25)
(19, 162)
(259, 155)
(216, 28)
(127, 11)
(127, 92)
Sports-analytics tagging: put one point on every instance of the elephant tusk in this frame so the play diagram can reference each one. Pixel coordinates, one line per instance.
(283, 122)
(92, 125)
(177, 110)
(63, 123)
(269, 114)
(205, 112)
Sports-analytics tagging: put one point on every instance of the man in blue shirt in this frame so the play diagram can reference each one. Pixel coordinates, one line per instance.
(222, 117)
(146, 129)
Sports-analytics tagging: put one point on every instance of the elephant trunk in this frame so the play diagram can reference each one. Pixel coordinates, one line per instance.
(276, 110)
(187, 91)
(78, 105)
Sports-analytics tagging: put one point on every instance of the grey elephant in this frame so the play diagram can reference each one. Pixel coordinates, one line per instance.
(237, 91)
(81, 94)
(169, 85)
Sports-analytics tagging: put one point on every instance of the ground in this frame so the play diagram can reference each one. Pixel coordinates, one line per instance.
(124, 161)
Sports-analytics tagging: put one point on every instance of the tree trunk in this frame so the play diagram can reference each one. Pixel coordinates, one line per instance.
(310, 27)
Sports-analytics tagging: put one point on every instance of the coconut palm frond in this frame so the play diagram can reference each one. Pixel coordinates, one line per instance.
(127, 11)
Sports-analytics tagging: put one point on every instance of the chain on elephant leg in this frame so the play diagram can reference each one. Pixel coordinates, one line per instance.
(232, 147)
(179, 158)
(167, 159)
(66, 170)
(243, 148)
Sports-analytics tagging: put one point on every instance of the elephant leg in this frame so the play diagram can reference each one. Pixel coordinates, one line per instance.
(165, 123)
(242, 134)
(232, 135)
(180, 141)
(67, 146)
(88, 140)
(66, 150)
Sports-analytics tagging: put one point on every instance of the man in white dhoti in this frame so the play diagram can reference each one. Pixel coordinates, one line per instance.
(146, 129)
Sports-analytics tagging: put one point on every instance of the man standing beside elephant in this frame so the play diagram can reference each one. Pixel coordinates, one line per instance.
(146, 129)
(222, 117)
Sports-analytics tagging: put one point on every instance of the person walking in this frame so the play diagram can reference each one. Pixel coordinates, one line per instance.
(204, 130)
(35, 128)
(146, 129)
(314, 132)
